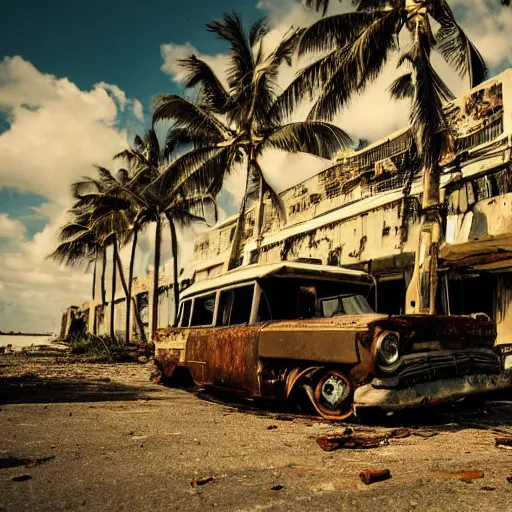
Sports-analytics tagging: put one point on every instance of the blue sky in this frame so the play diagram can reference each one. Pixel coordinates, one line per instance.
(86, 66)
(114, 41)
(117, 42)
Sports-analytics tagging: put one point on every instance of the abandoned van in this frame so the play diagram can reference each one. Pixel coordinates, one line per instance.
(267, 330)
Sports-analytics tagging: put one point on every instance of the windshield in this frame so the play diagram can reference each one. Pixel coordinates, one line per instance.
(285, 298)
(351, 304)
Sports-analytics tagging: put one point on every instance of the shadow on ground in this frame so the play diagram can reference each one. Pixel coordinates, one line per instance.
(470, 413)
(33, 390)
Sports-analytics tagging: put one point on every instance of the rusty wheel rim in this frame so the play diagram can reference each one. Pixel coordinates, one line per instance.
(332, 397)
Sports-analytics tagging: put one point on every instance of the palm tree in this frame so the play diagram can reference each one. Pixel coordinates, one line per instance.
(356, 46)
(79, 244)
(230, 125)
(183, 204)
(100, 207)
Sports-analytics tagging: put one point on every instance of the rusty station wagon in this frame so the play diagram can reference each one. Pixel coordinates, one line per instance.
(267, 330)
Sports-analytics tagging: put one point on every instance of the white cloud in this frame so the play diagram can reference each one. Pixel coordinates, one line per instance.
(11, 228)
(371, 115)
(173, 53)
(56, 133)
(138, 110)
(116, 92)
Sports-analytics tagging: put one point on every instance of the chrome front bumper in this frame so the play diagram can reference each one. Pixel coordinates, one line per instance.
(429, 393)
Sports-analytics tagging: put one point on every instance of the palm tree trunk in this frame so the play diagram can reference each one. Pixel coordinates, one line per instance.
(94, 279)
(119, 264)
(156, 272)
(103, 272)
(259, 214)
(113, 289)
(239, 229)
(175, 277)
(130, 282)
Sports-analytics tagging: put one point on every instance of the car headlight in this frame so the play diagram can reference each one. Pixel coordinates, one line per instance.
(388, 348)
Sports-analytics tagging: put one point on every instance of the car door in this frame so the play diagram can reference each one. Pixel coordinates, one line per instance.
(224, 352)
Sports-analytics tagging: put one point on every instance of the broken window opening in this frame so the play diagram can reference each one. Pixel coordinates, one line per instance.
(185, 318)
(288, 299)
(235, 306)
(203, 309)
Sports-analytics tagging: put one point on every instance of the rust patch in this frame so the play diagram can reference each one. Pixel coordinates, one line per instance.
(370, 476)
(463, 476)
(202, 481)
(504, 442)
(336, 441)
(227, 354)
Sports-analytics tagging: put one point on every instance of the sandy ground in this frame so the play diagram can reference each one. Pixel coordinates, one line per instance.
(104, 437)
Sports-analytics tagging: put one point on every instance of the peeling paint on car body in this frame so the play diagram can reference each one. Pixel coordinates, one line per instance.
(270, 358)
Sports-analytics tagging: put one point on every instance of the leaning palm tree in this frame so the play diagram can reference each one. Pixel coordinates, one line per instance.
(181, 205)
(100, 207)
(355, 47)
(80, 244)
(235, 124)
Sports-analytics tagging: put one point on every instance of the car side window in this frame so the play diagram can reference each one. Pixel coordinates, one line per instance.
(235, 306)
(203, 310)
(185, 313)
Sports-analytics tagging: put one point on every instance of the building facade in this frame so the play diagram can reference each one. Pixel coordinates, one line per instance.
(364, 212)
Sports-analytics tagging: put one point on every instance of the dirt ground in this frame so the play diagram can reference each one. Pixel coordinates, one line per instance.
(104, 437)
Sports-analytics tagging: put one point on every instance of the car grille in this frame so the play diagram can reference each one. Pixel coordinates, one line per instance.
(443, 364)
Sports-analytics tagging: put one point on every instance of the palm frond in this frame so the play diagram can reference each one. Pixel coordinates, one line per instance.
(193, 172)
(317, 5)
(106, 177)
(86, 186)
(374, 5)
(427, 115)
(402, 87)
(361, 62)
(175, 138)
(335, 31)
(242, 64)
(151, 148)
(258, 31)
(126, 154)
(211, 92)
(71, 230)
(200, 206)
(307, 82)
(456, 47)
(198, 121)
(275, 198)
(71, 254)
(313, 137)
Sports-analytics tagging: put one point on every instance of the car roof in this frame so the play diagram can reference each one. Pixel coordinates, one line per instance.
(285, 268)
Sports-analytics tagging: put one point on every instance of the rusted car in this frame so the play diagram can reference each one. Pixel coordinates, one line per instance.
(267, 330)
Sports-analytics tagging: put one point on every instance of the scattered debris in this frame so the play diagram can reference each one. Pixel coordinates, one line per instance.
(370, 476)
(504, 442)
(277, 487)
(424, 433)
(21, 478)
(509, 479)
(336, 441)
(271, 427)
(464, 476)
(12, 462)
(202, 481)
(400, 433)
(487, 488)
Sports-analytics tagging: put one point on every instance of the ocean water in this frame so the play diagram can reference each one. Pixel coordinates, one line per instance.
(18, 342)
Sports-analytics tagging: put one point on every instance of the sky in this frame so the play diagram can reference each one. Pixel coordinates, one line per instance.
(76, 82)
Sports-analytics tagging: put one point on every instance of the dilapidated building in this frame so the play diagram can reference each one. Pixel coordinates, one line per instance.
(363, 212)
